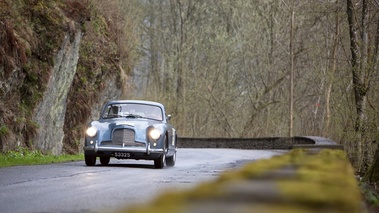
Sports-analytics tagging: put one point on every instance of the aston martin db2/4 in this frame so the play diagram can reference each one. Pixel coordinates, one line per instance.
(131, 129)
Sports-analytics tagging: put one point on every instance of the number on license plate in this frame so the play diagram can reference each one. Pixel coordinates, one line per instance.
(122, 154)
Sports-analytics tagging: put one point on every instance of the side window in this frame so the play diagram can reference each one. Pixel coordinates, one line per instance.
(112, 111)
(106, 112)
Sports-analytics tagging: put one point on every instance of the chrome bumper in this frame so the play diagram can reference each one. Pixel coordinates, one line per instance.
(95, 148)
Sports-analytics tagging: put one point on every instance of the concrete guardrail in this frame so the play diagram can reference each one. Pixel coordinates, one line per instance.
(285, 143)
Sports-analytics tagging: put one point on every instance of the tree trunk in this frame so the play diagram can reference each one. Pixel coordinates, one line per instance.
(331, 75)
(372, 174)
(290, 134)
(360, 87)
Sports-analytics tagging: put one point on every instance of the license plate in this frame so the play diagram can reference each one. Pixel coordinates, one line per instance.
(122, 154)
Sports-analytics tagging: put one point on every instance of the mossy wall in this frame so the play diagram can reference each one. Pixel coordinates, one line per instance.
(33, 33)
(295, 182)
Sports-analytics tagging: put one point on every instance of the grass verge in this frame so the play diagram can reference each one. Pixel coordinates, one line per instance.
(26, 157)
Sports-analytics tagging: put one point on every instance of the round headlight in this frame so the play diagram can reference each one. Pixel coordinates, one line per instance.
(154, 134)
(91, 131)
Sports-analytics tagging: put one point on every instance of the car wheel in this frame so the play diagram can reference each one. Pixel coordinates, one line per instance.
(159, 163)
(104, 160)
(170, 161)
(90, 160)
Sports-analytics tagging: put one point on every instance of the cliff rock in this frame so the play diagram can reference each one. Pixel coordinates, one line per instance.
(58, 63)
(50, 112)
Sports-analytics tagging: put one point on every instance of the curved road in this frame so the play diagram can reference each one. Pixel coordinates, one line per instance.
(73, 187)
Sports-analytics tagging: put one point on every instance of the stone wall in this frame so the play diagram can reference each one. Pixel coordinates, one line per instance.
(244, 143)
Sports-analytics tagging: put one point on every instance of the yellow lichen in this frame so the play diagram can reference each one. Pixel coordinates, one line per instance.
(324, 179)
(322, 182)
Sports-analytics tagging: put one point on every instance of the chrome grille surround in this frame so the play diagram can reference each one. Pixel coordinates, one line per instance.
(124, 137)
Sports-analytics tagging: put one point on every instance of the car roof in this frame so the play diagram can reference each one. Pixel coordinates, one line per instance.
(136, 102)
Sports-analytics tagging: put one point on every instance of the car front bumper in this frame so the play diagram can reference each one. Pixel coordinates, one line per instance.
(96, 148)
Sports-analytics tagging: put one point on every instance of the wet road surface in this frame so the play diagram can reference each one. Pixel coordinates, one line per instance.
(74, 187)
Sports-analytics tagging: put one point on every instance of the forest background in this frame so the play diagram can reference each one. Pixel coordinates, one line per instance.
(234, 68)
(223, 68)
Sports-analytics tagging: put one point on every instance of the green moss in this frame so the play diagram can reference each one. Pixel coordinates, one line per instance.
(327, 177)
(318, 195)
(99, 25)
(370, 194)
(322, 182)
(4, 130)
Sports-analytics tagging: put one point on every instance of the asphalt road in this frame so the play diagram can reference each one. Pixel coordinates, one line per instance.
(74, 187)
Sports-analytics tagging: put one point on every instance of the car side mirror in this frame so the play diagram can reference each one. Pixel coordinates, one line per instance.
(168, 117)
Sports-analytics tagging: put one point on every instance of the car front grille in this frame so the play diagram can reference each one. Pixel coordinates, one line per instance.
(124, 137)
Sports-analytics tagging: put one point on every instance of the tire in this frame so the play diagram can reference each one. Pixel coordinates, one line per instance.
(90, 160)
(159, 163)
(105, 160)
(170, 161)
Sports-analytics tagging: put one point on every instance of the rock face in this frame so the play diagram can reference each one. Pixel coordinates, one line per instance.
(50, 113)
(48, 91)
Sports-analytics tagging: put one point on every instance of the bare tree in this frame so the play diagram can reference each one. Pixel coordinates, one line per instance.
(362, 67)
(222, 67)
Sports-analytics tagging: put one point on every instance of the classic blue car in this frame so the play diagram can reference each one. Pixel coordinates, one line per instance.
(131, 129)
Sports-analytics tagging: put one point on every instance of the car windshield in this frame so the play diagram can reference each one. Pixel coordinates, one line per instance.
(133, 110)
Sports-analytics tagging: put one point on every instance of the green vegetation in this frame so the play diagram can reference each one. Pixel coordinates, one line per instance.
(4, 130)
(370, 194)
(25, 157)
